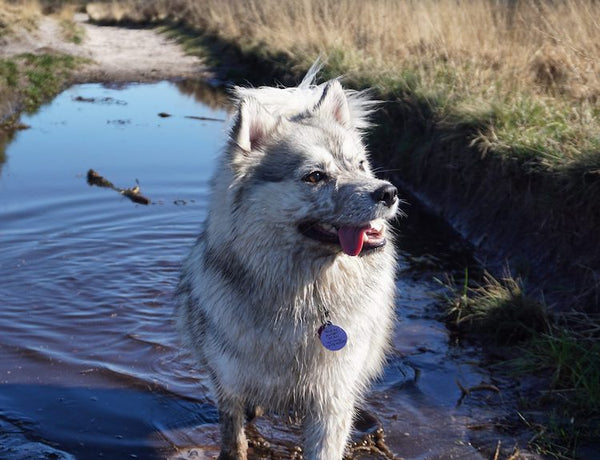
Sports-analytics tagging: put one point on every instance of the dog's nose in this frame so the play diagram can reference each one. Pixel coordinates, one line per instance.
(386, 194)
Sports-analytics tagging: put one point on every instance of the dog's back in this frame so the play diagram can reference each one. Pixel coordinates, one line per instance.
(286, 299)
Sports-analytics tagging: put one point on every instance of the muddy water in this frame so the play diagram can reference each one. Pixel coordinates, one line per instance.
(89, 363)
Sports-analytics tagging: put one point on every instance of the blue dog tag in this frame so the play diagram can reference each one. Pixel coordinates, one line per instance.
(332, 337)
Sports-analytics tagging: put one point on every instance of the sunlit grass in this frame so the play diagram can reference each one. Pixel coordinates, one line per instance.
(499, 309)
(536, 64)
(14, 15)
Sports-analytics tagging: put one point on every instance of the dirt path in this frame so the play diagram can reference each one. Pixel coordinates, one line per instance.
(118, 54)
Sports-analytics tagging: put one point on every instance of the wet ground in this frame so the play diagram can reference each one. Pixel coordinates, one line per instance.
(89, 362)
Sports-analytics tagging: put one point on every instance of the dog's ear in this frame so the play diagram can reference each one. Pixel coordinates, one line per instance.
(252, 126)
(334, 104)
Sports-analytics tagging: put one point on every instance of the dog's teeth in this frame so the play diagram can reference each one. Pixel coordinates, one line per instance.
(378, 225)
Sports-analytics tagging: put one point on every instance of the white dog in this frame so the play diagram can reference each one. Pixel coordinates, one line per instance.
(287, 298)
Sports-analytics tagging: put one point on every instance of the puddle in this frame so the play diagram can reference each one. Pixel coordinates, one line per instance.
(89, 362)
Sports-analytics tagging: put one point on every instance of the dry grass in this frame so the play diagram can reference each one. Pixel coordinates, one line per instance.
(71, 31)
(14, 15)
(531, 68)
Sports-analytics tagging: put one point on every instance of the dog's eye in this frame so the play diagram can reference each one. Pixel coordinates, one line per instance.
(315, 177)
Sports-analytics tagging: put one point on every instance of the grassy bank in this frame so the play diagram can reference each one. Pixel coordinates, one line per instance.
(28, 80)
(562, 407)
(491, 110)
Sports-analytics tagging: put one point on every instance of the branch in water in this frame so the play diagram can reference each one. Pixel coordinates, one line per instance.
(133, 193)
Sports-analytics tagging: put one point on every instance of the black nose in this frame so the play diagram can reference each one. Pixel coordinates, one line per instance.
(386, 194)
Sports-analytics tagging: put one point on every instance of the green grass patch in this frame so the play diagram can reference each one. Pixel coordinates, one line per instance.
(571, 361)
(9, 73)
(45, 76)
(29, 80)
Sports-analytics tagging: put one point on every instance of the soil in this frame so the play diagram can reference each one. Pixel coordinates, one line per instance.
(116, 54)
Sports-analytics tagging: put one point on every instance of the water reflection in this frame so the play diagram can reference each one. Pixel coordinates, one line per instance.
(204, 93)
(5, 138)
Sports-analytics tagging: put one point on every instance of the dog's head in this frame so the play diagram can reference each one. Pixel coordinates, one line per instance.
(301, 176)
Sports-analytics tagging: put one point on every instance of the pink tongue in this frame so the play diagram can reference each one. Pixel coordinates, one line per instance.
(351, 239)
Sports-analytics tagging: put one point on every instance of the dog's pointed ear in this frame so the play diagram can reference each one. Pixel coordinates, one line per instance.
(334, 104)
(252, 126)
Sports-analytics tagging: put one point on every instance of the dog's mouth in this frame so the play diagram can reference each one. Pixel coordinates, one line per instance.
(352, 239)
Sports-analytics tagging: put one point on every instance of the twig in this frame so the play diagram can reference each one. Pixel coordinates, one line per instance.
(133, 193)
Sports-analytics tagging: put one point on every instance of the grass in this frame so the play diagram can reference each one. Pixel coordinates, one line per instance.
(46, 74)
(14, 15)
(572, 363)
(29, 80)
(564, 350)
(525, 61)
(71, 31)
(500, 310)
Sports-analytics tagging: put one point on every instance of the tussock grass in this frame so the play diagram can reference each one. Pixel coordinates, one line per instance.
(498, 309)
(565, 350)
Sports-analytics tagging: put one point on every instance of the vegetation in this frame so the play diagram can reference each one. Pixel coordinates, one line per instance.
(28, 80)
(499, 310)
(531, 70)
(15, 15)
(564, 349)
(72, 32)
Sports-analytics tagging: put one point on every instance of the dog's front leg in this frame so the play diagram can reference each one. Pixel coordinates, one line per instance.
(326, 432)
(234, 445)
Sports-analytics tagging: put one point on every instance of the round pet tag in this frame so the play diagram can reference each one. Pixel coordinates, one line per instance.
(332, 337)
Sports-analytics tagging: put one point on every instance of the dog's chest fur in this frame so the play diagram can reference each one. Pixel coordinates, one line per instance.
(257, 326)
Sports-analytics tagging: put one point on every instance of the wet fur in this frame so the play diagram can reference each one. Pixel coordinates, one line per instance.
(253, 291)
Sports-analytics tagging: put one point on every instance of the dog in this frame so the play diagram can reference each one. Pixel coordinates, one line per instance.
(286, 300)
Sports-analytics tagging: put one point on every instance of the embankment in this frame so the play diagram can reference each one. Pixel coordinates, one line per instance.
(540, 223)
